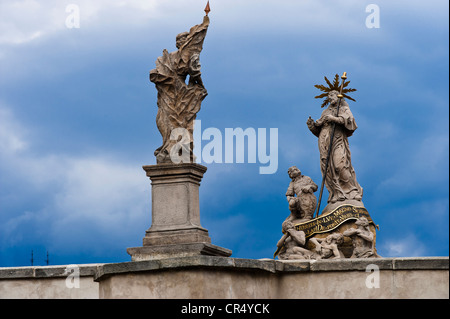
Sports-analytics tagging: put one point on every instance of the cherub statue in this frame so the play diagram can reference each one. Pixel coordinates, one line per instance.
(328, 247)
(362, 239)
(303, 206)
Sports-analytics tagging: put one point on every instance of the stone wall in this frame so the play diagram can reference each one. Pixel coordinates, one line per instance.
(50, 282)
(220, 278)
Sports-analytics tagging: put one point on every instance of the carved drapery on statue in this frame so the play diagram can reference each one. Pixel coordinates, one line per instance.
(178, 101)
(341, 177)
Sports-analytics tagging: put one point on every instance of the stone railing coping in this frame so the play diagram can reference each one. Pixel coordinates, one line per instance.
(275, 266)
(102, 271)
(86, 270)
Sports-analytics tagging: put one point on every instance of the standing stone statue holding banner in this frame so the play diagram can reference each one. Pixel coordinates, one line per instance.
(178, 102)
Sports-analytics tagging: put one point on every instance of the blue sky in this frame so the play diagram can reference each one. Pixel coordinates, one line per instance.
(77, 119)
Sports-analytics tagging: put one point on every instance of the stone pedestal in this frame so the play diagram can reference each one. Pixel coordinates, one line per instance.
(175, 229)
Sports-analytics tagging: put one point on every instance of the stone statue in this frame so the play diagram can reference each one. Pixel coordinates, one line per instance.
(302, 207)
(362, 239)
(291, 245)
(176, 230)
(344, 229)
(328, 247)
(178, 102)
(340, 178)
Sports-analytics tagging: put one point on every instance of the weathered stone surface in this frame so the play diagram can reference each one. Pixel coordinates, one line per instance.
(176, 250)
(48, 288)
(11, 273)
(293, 265)
(279, 266)
(197, 261)
(46, 271)
(413, 263)
(216, 277)
(126, 267)
(48, 282)
(175, 230)
(206, 277)
(175, 196)
(176, 236)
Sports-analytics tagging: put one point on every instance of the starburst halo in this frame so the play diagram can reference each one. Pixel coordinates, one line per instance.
(335, 86)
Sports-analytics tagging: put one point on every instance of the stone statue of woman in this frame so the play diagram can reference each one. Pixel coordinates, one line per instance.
(340, 180)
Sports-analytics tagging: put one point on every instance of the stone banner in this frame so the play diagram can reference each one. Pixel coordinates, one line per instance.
(333, 220)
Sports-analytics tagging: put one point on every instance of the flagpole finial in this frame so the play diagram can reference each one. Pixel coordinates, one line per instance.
(207, 9)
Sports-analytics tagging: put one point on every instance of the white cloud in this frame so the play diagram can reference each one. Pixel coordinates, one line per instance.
(100, 204)
(100, 190)
(93, 196)
(22, 21)
(11, 133)
(89, 200)
(27, 20)
(406, 246)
